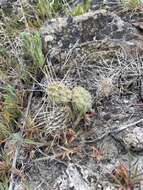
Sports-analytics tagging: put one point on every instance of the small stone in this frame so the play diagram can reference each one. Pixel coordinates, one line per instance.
(134, 139)
(49, 38)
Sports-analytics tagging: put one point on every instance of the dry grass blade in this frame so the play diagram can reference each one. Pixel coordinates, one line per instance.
(18, 146)
(5, 132)
(11, 109)
(127, 177)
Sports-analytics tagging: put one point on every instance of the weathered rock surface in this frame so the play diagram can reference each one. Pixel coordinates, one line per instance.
(132, 139)
(91, 32)
(3, 2)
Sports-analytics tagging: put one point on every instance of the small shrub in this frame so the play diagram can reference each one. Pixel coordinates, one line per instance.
(127, 178)
(81, 8)
(44, 8)
(33, 45)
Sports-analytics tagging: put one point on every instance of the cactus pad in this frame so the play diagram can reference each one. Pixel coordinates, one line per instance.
(59, 93)
(81, 100)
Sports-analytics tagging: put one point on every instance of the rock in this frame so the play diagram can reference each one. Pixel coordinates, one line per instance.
(83, 35)
(7, 4)
(3, 2)
(131, 139)
(19, 187)
(75, 179)
(134, 139)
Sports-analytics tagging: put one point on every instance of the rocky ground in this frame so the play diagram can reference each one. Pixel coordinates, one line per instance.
(100, 50)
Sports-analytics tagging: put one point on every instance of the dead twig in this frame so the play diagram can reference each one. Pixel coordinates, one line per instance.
(114, 131)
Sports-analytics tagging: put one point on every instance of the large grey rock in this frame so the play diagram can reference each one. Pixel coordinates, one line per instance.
(3, 2)
(87, 34)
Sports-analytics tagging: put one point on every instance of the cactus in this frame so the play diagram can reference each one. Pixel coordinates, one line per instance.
(81, 100)
(59, 118)
(59, 93)
(105, 87)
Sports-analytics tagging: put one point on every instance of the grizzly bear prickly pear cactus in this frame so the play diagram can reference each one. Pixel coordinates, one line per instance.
(59, 93)
(81, 100)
